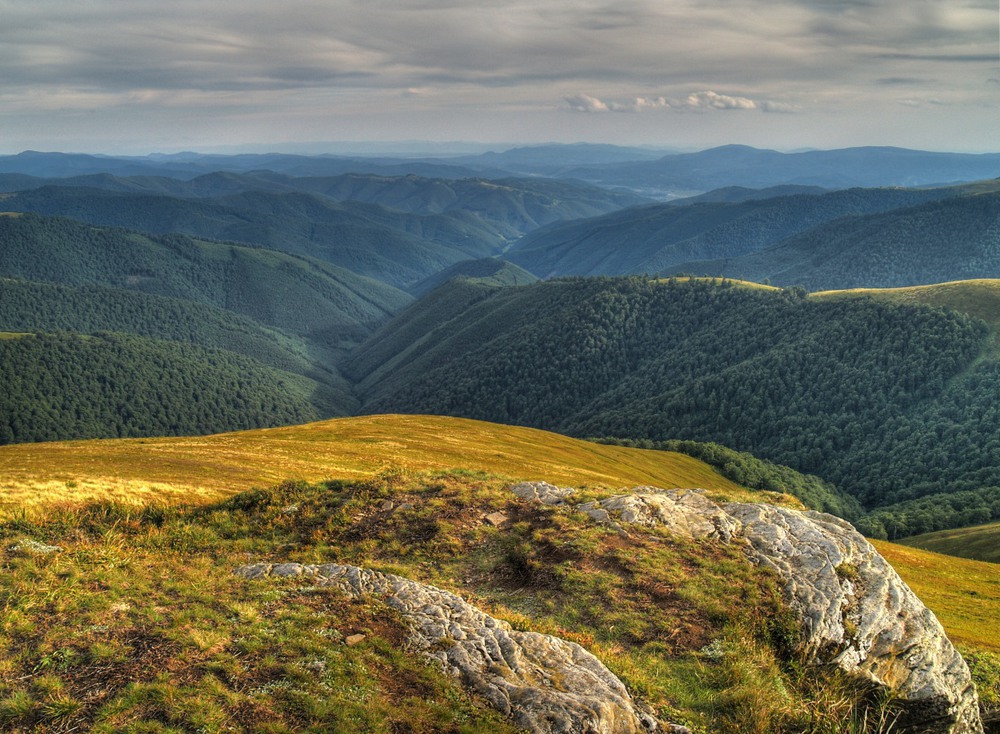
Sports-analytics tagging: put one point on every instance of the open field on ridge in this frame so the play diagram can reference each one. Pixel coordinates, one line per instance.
(978, 297)
(206, 468)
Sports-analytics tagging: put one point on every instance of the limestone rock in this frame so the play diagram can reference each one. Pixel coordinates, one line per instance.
(496, 519)
(545, 684)
(858, 614)
(686, 512)
(854, 609)
(543, 492)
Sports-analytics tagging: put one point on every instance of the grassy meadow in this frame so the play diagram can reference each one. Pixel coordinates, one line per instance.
(207, 468)
(980, 542)
(979, 298)
(137, 623)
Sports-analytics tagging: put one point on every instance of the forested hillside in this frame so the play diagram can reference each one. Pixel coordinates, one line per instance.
(115, 385)
(655, 238)
(398, 229)
(489, 270)
(27, 306)
(307, 297)
(207, 336)
(953, 239)
(393, 247)
(889, 402)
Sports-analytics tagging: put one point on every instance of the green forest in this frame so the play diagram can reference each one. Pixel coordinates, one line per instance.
(886, 401)
(106, 385)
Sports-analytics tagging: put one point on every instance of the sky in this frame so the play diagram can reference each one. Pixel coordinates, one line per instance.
(141, 76)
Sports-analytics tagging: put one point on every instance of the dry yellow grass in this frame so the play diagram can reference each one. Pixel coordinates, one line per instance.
(718, 281)
(206, 468)
(964, 594)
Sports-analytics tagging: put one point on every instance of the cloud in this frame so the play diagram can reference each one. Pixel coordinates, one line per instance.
(586, 103)
(349, 60)
(697, 101)
(713, 101)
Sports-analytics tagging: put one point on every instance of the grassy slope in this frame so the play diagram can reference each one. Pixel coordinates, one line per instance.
(981, 542)
(207, 468)
(964, 594)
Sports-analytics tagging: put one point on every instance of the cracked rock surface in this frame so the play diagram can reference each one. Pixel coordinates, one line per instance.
(858, 614)
(854, 610)
(545, 684)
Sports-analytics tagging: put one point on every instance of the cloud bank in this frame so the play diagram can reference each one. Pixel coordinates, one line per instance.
(696, 101)
(255, 68)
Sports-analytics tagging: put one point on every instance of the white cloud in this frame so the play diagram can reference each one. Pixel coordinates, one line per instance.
(349, 62)
(698, 101)
(713, 101)
(586, 103)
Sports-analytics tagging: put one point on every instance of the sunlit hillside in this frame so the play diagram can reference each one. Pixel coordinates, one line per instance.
(964, 594)
(980, 542)
(205, 468)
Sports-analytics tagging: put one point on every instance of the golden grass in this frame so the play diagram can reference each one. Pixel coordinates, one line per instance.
(207, 468)
(719, 281)
(980, 542)
(964, 594)
(12, 334)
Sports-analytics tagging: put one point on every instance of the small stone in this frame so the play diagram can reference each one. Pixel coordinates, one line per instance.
(353, 640)
(254, 571)
(386, 506)
(496, 519)
(34, 548)
(316, 666)
(290, 510)
(405, 506)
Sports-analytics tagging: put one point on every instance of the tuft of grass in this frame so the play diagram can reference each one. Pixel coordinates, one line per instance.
(139, 624)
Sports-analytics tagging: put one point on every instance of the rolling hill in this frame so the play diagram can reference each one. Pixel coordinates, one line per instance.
(657, 238)
(209, 468)
(489, 271)
(396, 248)
(45, 307)
(979, 542)
(396, 229)
(111, 385)
(325, 304)
(740, 165)
(891, 402)
(952, 239)
(692, 628)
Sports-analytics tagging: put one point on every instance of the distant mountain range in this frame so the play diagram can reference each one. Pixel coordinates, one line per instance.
(645, 171)
(399, 230)
(840, 239)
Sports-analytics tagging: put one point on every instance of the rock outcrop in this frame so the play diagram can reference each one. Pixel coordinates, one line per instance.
(855, 611)
(858, 614)
(545, 684)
